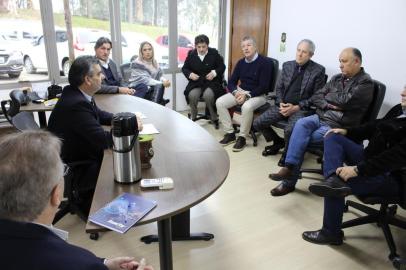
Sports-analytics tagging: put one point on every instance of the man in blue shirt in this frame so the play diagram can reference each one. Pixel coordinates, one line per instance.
(254, 74)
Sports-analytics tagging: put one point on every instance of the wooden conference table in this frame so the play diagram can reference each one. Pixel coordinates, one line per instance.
(40, 109)
(184, 151)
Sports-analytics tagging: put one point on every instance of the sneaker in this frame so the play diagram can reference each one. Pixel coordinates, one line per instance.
(228, 139)
(239, 145)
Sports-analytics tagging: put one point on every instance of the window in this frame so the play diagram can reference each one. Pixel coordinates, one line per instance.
(203, 20)
(144, 21)
(90, 21)
(20, 32)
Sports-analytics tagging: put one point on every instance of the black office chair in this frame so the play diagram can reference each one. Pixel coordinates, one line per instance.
(155, 94)
(263, 108)
(12, 106)
(370, 115)
(385, 216)
(206, 114)
(24, 121)
(71, 191)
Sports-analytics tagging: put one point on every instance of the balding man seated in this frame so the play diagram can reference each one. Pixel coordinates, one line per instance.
(342, 102)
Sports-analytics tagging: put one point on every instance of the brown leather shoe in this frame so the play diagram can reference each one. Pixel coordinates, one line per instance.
(284, 173)
(281, 190)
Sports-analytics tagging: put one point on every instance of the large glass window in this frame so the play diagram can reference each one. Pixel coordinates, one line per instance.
(144, 20)
(21, 37)
(196, 17)
(89, 21)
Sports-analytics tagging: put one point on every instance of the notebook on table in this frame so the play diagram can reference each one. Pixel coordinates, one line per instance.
(123, 212)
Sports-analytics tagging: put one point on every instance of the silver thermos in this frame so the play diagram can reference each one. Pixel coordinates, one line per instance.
(126, 153)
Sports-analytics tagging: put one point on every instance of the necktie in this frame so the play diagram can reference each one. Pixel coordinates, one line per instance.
(93, 103)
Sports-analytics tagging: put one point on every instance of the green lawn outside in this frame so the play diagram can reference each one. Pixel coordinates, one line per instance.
(83, 22)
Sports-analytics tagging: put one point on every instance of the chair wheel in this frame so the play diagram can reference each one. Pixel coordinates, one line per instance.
(255, 143)
(94, 236)
(189, 115)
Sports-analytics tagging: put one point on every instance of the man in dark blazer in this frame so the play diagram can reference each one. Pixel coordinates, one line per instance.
(204, 68)
(78, 122)
(113, 80)
(298, 81)
(31, 189)
(350, 169)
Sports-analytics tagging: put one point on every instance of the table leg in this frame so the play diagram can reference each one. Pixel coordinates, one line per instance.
(42, 119)
(180, 230)
(165, 244)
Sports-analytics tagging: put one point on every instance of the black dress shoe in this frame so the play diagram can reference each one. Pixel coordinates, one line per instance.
(284, 174)
(320, 237)
(332, 187)
(281, 162)
(281, 190)
(273, 149)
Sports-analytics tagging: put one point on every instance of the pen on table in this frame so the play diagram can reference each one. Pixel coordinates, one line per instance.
(142, 264)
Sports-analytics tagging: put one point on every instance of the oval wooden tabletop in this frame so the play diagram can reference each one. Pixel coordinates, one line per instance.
(183, 150)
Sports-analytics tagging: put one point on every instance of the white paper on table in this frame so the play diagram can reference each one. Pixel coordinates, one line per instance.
(41, 88)
(140, 115)
(149, 129)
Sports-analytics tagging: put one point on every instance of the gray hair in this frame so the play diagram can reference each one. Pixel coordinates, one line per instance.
(30, 167)
(312, 46)
(250, 38)
(82, 66)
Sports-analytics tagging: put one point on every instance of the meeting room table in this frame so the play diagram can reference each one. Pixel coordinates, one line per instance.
(184, 151)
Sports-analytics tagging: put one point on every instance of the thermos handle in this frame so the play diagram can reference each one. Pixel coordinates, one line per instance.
(126, 150)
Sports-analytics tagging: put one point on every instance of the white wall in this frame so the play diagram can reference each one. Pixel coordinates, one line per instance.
(376, 27)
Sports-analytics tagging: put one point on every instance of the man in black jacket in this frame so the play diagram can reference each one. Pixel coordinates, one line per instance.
(342, 102)
(204, 68)
(373, 170)
(78, 121)
(299, 80)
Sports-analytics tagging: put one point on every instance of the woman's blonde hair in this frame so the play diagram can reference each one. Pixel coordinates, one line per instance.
(141, 57)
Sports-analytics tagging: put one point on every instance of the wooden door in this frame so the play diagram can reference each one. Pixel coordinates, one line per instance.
(248, 18)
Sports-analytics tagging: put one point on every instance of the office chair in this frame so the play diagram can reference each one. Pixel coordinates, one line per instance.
(206, 114)
(155, 94)
(24, 121)
(12, 106)
(263, 108)
(385, 216)
(71, 191)
(370, 115)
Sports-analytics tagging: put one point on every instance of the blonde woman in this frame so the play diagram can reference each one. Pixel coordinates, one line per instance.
(147, 76)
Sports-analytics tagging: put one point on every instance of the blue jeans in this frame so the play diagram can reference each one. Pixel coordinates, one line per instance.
(308, 131)
(141, 90)
(337, 150)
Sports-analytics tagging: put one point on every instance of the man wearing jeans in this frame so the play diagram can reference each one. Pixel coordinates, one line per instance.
(370, 171)
(342, 102)
(254, 73)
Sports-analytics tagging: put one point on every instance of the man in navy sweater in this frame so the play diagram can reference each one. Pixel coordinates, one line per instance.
(254, 74)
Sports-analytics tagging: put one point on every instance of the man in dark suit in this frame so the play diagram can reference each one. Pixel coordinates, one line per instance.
(298, 81)
(113, 80)
(31, 189)
(77, 120)
(204, 68)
